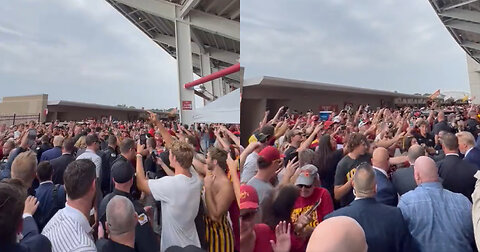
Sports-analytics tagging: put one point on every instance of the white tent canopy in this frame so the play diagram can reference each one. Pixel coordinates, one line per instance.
(225, 109)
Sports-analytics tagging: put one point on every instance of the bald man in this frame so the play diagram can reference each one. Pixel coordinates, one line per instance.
(384, 226)
(338, 234)
(386, 192)
(120, 225)
(440, 220)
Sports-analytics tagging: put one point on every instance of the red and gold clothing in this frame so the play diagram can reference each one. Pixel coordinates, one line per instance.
(302, 205)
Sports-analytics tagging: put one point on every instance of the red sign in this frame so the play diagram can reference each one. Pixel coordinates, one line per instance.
(186, 105)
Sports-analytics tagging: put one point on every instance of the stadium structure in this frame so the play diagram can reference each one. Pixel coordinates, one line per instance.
(462, 20)
(204, 37)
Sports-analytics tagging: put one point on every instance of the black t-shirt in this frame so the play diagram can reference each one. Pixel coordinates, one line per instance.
(289, 153)
(441, 126)
(429, 140)
(104, 245)
(473, 127)
(145, 239)
(345, 171)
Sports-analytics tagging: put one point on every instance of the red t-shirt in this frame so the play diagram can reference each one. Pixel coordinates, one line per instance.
(302, 205)
(264, 234)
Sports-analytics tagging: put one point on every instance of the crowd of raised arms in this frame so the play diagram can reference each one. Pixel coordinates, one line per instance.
(362, 179)
(119, 186)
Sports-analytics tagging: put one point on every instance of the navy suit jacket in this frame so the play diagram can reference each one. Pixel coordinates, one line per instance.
(53, 153)
(457, 175)
(403, 180)
(473, 157)
(386, 192)
(59, 165)
(32, 239)
(384, 226)
(47, 207)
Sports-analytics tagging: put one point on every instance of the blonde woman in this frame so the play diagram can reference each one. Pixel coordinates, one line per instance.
(81, 145)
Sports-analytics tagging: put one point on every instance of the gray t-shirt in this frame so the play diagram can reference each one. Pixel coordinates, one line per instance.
(180, 198)
(250, 167)
(263, 188)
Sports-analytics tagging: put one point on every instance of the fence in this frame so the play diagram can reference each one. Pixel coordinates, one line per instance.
(16, 119)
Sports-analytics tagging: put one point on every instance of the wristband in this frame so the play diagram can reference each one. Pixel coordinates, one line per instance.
(139, 155)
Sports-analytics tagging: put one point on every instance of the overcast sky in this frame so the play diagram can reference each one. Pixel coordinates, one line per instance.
(82, 50)
(387, 44)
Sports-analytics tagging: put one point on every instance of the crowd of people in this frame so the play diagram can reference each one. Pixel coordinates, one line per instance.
(384, 179)
(119, 186)
(363, 179)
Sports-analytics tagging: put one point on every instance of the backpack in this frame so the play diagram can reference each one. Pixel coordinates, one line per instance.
(56, 205)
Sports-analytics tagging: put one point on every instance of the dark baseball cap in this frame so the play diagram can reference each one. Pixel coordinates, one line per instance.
(122, 172)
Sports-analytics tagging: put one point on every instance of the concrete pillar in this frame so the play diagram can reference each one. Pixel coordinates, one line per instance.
(185, 71)
(474, 79)
(217, 85)
(206, 70)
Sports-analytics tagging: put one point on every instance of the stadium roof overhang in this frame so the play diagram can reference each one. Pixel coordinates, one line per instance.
(462, 20)
(215, 28)
(267, 81)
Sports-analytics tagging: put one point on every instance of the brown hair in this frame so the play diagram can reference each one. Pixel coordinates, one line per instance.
(219, 155)
(12, 202)
(355, 140)
(126, 145)
(183, 152)
(78, 178)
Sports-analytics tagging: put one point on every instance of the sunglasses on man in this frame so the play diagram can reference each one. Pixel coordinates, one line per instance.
(304, 186)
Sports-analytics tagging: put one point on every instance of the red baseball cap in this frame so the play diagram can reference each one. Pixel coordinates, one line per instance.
(248, 197)
(270, 154)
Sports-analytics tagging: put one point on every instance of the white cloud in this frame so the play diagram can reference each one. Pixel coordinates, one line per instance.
(69, 48)
(394, 45)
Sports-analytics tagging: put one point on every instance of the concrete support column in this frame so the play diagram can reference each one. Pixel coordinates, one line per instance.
(185, 71)
(474, 79)
(217, 85)
(206, 70)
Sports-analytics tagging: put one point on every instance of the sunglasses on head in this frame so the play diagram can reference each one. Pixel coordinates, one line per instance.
(304, 186)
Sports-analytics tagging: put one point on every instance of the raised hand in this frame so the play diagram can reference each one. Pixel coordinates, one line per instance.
(31, 205)
(282, 234)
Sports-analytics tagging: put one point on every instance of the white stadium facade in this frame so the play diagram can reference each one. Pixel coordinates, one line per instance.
(462, 20)
(204, 37)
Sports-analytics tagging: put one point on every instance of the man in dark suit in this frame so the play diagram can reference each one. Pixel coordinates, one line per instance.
(51, 196)
(12, 206)
(386, 192)
(441, 125)
(55, 152)
(60, 164)
(457, 174)
(384, 226)
(472, 125)
(403, 179)
(121, 222)
(43, 147)
(466, 145)
(108, 157)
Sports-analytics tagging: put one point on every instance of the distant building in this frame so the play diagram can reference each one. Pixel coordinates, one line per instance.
(270, 93)
(19, 109)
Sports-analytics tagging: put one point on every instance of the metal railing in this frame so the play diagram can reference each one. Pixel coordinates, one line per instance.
(16, 119)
